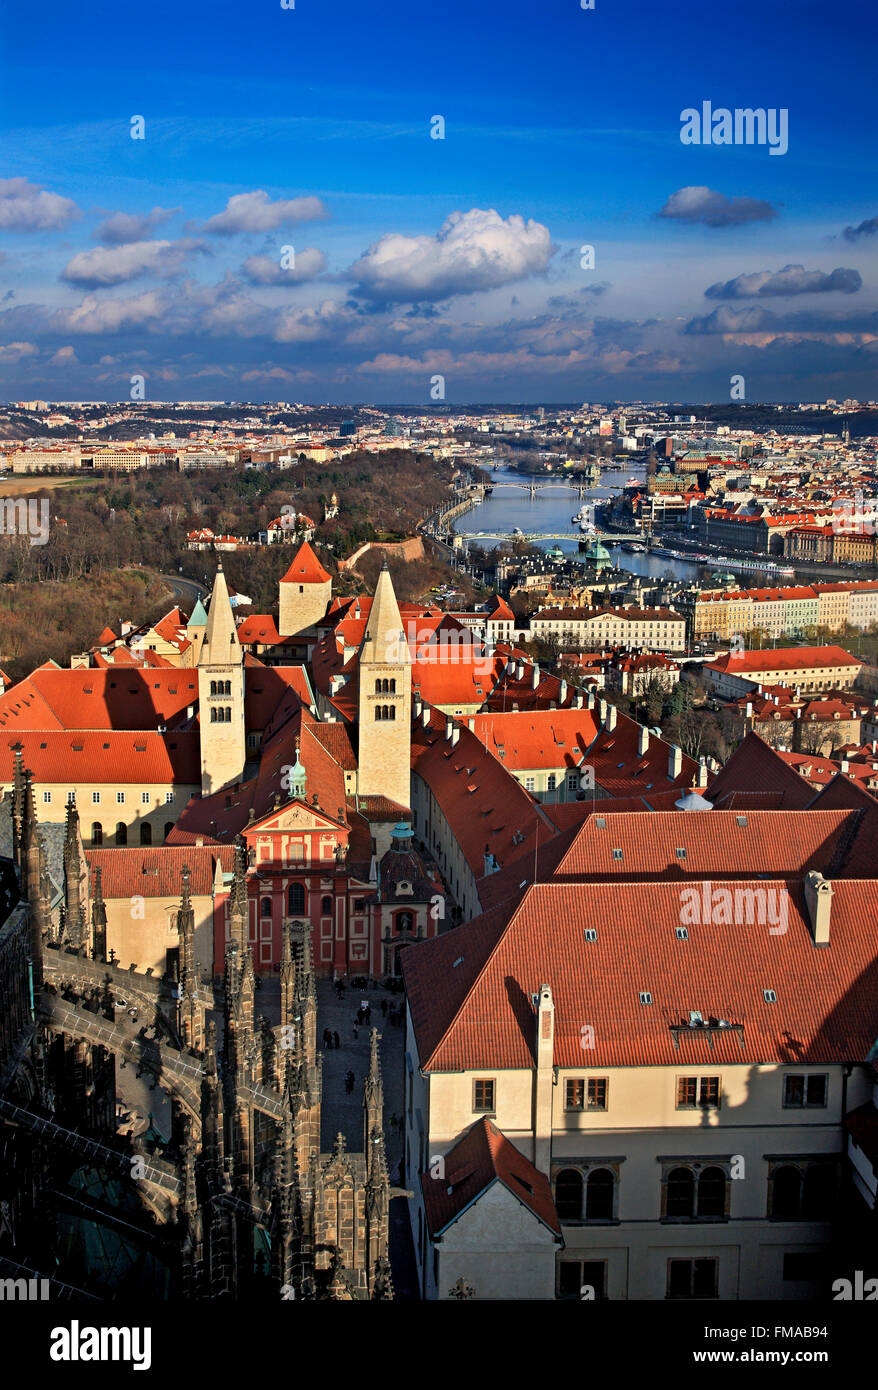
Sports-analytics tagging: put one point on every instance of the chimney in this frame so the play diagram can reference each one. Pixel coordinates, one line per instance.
(590, 701)
(602, 711)
(818, 900)
(543, 1078)
(844, 765)
(675, 762)
(562, 693)
(702, 773)
(455, 735)
(535, 676)
(449, 728)
(519, 671)
(642, 739)
(610, 721)
(190, 710)
(577, 700)
(748, 710)
(417, 707)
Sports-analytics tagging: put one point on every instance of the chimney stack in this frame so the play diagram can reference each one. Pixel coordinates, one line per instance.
(455, 735)
(449, 728)
(702, 773)
(535, 676)
(818, 900)
(675, 762)
(610, 721)
(562, 693)
(642, 739)
(543, 1078)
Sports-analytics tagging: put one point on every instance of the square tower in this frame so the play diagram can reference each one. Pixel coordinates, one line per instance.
(385, 700)
(222, 733)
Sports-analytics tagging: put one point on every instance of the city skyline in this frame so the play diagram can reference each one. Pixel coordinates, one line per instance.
(280, 236)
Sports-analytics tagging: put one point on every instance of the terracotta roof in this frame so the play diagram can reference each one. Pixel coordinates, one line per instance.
(306, 568)
(258, 628)
(782, 659)
(754, 766)
(714, 846)
(109, 757)
(479, 1014)
(156, 872)
(483, 1157)
(99, 699)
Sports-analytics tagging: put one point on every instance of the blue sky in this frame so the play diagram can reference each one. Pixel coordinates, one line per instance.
(309, 129)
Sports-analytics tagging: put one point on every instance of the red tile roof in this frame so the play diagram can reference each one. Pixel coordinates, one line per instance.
(483, 1157)
(51, 697)
(754, 766)
(110, 757)
(478, 1014)
(306, 568)
(715, 846)
(156, 872)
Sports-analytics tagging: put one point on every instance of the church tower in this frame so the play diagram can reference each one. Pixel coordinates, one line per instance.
(195, 630)
(304, 593)
(221, 695)
(385, 700)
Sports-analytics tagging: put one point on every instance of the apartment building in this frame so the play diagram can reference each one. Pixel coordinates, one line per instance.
(585, 1117)
(808, 668)
(660, 629)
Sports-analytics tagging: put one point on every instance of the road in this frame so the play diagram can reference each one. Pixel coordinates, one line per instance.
(185, 590)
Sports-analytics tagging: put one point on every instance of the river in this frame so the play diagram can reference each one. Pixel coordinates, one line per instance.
(549, 511)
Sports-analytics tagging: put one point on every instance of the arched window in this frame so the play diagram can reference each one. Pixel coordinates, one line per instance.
(390, 712)
(266, 907)
(295, 899)
(326, 906)
(786, 1193)
(599, 1195)
(213, 716)
(379, 711)
(145, 833)
(213, 687)
(121, 833)
(681, 1192)
(97, 833)
(390, 687)
(817, 1192)
(379, 687)
(568, 1194)
(712, 1192)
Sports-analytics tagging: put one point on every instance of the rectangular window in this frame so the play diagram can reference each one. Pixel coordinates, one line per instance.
(551, 782)
(169, 797)
(529, 784)
(483, 1096)
(144, 798)
(698, 1092)
(120, 798)
(805, 1090)
(572, 781)
(95, 798)
(692, 1278)
(47, 796)
(575, 1276)
(597, 1093)
(574, 1095)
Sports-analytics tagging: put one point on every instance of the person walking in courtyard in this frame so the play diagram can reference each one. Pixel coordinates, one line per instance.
(349, 1082)
(335, 1039)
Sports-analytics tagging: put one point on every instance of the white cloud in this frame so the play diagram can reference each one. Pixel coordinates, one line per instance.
(95, 315)
(475, 250)
(267, 270)
(28, 207)
(113, 265)
(15, 352)
(698, 203)
(792, 280)
(255, 212)
(123, 227)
